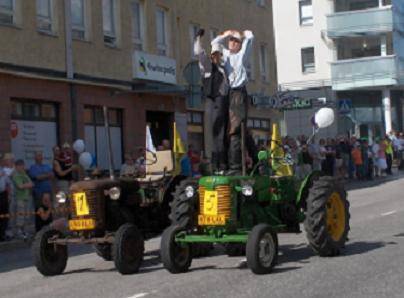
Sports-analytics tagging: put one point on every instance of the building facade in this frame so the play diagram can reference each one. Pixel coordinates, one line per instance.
(62, 60)
(347, 55)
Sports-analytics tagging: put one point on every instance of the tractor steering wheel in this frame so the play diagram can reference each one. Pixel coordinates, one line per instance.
(149, 162)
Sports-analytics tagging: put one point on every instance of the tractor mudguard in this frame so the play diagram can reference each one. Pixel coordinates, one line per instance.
(305, 187)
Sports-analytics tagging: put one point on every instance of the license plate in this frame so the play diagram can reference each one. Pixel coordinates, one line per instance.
(210, 202)
(80, 201)
(211, 220)
(81, 224)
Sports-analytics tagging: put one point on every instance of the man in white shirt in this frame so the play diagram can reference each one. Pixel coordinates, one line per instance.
(235, 60)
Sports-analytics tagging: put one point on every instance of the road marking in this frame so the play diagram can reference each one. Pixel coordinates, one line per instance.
(139, 295)
(388, 213)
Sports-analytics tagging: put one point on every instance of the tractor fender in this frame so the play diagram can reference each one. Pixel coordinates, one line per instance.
(305, 187)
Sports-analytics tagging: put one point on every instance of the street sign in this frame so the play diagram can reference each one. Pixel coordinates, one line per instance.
(344, 106)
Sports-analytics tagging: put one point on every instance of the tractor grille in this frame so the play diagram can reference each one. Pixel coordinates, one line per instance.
(223, 200)
(95, 210)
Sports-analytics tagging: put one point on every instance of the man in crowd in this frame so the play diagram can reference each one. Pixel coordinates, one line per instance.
(41, 174)
(216, 88)
(234, 58)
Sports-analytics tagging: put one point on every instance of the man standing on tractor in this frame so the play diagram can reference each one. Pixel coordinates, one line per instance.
(235, 57)
(216, 89)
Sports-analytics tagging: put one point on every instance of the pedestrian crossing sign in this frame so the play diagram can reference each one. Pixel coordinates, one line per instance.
(345, 106)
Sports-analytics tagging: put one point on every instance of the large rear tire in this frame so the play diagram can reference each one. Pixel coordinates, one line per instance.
(176, 257)
(49, 259)
(262, 249)
(128, 249)
(327, 217)
(184, 213)
(235, 249)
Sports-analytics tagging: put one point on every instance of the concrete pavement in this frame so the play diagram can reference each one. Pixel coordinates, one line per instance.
(372, 264)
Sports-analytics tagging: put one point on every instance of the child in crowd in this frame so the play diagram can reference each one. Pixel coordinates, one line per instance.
(44, 212)
(23, 187)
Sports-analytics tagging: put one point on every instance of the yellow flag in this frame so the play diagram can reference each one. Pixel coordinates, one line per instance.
(277, 154)
(178, 145)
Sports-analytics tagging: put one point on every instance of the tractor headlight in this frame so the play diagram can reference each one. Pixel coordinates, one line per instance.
(114, 193)
(189, 191)
(247, 190)
(61, 197)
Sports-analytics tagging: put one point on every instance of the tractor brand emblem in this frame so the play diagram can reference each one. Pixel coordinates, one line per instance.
(210, 203)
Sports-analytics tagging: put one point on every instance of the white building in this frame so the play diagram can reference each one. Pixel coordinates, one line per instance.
(347, 54)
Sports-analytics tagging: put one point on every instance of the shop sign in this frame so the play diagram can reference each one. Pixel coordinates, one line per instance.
(282, 102)
(28, 137)
(154, 68)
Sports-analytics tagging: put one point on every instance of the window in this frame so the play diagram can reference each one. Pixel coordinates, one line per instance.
(161, 27)
(264, 63)
(256, 123)
(137, 25)
(7, 12)
(78, 19)
(195, 118)
(306, 12)
(108, 21)
(44, 15)
(250, 66)
(31, 110)
(193, 30)
(213, 33)
(308, 63)
(261, 3)
(94, 135)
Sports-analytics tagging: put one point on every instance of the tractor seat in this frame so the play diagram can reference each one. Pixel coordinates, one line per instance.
(164, 166)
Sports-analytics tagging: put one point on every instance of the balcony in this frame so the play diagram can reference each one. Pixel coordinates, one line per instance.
(364, 72)
(360, 22)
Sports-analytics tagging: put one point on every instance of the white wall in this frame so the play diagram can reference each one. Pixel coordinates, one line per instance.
(290, 37)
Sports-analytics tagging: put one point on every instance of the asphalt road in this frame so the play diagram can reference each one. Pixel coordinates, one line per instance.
(372, 265)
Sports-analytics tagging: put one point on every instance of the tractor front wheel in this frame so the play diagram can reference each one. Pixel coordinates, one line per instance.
(128, 248)
(262, 249)
(176, 257)
(50, 259)
(327, 217)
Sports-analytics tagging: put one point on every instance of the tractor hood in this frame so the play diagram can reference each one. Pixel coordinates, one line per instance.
(210, 182)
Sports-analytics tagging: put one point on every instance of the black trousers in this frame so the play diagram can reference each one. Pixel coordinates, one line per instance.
(389, 160)
(3, 210)
(237, 117)
(218, 117)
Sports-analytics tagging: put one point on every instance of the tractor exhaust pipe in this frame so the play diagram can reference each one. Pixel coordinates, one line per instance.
(109, 144)
(243, 159)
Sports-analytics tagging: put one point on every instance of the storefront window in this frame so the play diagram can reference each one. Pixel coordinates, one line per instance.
(95, 135)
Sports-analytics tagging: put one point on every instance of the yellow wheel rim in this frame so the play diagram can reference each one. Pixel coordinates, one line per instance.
(335, 216)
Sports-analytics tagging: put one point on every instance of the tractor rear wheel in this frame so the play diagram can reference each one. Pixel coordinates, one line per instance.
(50, 259)
(262, 249)
(128, 249)
(184, 213)
(176, 257)
(327, 217)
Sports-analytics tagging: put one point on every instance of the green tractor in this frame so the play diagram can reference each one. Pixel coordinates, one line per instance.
(245, 213)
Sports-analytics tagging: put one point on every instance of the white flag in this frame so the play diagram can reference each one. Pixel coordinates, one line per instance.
(149, 140)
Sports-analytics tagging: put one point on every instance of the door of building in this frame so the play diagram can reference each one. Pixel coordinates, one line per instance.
(161, 126)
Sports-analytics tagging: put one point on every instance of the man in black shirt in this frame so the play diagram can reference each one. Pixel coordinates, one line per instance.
(216, 88)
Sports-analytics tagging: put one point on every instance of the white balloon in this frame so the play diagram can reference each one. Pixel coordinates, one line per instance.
(324, 117)
(79, 146)
(85, 160)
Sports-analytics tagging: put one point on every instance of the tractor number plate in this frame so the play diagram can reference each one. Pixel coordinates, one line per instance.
(211, 220)
(80, 200)
(81, 224)
(210, 203)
